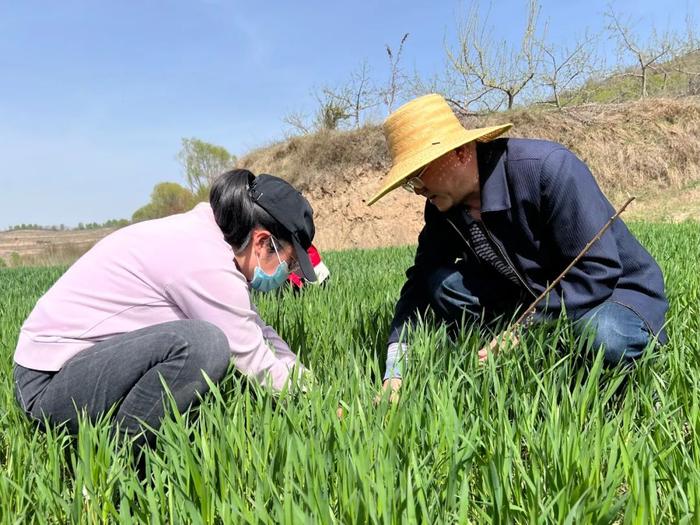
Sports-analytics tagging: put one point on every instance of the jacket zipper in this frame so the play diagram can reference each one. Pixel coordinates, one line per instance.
(462, 236)
(507, 259)
(500, 250)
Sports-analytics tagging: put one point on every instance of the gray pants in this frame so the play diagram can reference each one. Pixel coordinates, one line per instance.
(125, 371)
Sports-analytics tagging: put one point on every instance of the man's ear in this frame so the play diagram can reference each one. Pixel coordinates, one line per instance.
(463, 153)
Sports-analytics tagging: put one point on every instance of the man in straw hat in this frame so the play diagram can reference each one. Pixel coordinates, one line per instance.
(503, 218)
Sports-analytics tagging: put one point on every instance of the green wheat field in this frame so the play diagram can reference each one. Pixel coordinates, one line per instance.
(537, 435)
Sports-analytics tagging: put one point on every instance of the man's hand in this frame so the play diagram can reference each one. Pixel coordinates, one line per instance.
(392, 385)
(506, 339)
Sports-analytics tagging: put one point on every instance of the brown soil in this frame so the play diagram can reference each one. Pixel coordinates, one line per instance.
(649, 149)
(39, 247)
(343, 220)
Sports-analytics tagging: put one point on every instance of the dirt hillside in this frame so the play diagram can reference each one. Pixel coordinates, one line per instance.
(40, 247)
(650, 149)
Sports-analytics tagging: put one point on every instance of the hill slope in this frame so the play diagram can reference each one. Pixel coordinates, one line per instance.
(650, 149)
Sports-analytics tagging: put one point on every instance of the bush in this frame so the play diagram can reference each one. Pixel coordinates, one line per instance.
(168, 198)
(15, 259)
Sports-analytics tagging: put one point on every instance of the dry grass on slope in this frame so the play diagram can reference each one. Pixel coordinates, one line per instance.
(633, 146)
(338, 171)
(47, 247)
(650, 149)
(636, 147)
(310, 161)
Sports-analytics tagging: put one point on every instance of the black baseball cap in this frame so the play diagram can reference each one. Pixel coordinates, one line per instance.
(289, 208)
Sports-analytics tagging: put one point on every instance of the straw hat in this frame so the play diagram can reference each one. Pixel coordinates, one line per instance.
(422, 130)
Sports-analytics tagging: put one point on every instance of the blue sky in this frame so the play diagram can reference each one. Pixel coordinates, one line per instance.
(95, 96)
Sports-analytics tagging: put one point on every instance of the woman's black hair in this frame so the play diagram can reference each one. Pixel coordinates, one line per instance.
(237, 214)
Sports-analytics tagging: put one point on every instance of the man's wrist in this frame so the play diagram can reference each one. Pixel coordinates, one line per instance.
(395, 360)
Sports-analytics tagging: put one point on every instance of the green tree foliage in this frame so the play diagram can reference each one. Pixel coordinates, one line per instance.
(110, 223)
(167, 198)
(203, 162)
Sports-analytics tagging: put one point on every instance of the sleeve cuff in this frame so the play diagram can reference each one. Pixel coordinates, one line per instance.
(395, 359)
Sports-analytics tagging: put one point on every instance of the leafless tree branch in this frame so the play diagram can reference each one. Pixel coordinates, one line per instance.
(493, 71)
(647, 55)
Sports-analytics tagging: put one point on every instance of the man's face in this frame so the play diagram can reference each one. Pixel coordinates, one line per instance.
(451, 178)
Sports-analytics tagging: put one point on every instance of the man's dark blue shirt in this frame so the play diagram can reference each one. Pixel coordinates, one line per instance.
(540, 205)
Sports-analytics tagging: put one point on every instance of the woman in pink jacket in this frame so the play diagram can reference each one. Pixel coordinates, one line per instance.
(167, 298)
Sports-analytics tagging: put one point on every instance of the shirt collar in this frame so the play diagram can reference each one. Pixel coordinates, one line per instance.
(491, 159)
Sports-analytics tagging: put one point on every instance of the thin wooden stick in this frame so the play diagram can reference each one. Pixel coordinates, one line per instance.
(583, 252)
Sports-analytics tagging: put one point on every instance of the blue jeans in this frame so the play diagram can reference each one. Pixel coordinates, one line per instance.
(618, 329)
(125, 371)
(457, 298)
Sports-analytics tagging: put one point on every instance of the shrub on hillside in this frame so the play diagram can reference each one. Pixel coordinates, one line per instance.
(639, 146)
(167, 198)
(312, 160)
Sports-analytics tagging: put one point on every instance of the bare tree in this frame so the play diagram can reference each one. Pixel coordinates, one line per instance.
(648, 55)
(692, 36)
(565, 70)
(333, 107)
(332, 110)
(447, 83)
(418, 85)
(298, 121)
(355, 96)
(365, 95)
(687, 60)
(494, 73)
(394, 86)
(337, 105)
(458, 89)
